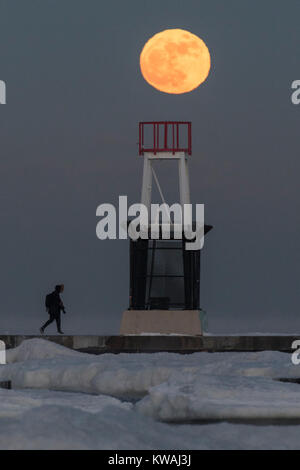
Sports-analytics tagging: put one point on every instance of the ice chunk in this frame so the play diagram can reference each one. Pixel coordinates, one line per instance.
(198, 397)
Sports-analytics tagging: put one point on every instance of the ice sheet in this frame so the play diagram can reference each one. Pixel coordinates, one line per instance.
(66, 399)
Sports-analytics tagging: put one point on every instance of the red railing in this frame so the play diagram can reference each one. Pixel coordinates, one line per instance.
(165, 136)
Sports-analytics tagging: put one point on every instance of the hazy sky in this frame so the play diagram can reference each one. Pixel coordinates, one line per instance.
(68, 142)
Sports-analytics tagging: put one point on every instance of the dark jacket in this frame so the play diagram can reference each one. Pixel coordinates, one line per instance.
(56, 304)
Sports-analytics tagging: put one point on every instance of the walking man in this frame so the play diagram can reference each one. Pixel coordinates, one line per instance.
(53, 306)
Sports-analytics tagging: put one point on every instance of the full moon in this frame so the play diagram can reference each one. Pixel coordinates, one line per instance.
(175, 61)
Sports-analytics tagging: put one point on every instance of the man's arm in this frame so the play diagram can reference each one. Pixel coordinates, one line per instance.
(61, 306)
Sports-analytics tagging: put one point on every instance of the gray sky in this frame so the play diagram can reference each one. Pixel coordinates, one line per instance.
(68, 137)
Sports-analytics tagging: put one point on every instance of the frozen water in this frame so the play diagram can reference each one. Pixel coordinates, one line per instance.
(66, 399)
(15, 402)
(60, 427)
(37, 363)
(209, 397)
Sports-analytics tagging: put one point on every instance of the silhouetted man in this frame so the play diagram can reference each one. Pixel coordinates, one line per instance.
(53, 306)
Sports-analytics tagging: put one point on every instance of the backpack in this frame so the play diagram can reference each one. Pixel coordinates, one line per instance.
(48, 301)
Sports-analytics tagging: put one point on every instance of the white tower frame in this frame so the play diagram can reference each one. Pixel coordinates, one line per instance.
(148, 172)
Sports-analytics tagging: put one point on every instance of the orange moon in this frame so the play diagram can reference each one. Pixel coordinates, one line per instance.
(175, 61)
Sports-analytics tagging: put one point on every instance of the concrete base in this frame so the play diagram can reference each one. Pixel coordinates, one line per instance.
(165, 322)
(95, 344)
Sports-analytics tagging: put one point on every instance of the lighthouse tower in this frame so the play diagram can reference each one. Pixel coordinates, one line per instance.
(164, 296)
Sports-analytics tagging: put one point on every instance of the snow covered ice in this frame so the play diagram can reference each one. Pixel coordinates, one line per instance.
(66, 399)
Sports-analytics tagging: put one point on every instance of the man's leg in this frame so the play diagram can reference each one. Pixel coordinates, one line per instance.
(57, 318)
(48, 322)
